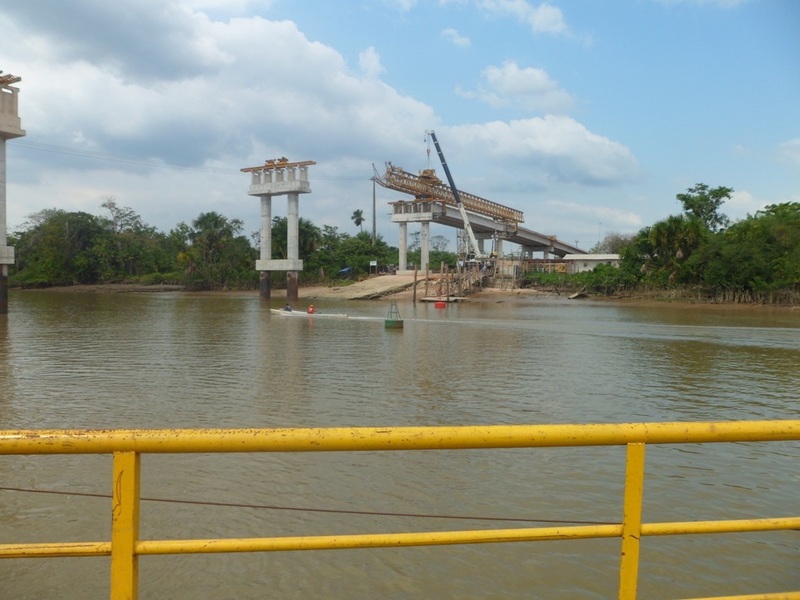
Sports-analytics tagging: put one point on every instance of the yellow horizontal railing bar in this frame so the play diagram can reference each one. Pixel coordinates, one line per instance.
(377, 540)
(54, 550)
(773, 596)
(389, 438)
(332, 542)
(128, 445)
(730, 526)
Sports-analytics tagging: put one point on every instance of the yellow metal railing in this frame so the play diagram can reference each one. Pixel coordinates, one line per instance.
(127, 446)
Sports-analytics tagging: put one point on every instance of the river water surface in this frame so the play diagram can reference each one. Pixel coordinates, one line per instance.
(97, 360)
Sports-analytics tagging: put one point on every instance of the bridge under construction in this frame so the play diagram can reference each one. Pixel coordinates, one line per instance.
(435, 201)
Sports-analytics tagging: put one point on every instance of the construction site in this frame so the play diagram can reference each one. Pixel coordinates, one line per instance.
(484, 227)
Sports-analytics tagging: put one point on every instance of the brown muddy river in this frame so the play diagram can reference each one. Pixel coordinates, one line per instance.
(175, 360)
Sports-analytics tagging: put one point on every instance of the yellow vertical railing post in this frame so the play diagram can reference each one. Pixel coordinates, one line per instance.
(631, 522)
(125, 526)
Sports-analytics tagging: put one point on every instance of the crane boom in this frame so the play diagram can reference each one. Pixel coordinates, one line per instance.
(467, 225)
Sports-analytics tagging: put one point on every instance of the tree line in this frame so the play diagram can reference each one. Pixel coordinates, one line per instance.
(57, 247)
(700, 253)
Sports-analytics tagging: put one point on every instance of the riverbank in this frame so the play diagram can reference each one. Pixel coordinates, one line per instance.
(401, 287)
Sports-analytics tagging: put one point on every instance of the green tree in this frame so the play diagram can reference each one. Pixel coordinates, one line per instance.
(439, 243)
(357, 251)
(57, 248)
(219, 257)
(759, 254)
(704, 204)
(309, 237)
(660, 252)
(416, 241)
(128, 247)
(310, 240)
(358, 218)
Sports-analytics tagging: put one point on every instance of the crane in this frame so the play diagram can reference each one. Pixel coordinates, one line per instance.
(467, 225)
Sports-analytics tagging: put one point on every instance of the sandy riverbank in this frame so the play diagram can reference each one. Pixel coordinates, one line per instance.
(394, 286)
(401, 287)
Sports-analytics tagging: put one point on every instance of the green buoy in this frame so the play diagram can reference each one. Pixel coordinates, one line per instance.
(393, 320)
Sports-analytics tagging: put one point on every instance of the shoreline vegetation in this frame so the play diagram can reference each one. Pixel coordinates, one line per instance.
(695, 257)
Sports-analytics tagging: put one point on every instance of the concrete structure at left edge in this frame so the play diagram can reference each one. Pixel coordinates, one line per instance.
(277, 178)
(10, 128)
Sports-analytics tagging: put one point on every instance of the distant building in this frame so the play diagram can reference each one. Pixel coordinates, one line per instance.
(578, 263)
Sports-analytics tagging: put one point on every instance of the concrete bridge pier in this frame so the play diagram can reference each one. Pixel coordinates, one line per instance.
(403, 246)
(264, 278)
(293, 245)
(277, 178)
(405, 212)
(6, 252)
(425, 246)
(3, 289)
(10, 128)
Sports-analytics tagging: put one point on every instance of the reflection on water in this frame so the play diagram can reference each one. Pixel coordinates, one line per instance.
(178, 360)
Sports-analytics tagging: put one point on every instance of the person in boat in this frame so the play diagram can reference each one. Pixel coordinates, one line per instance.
(288, 307)
(311, 309)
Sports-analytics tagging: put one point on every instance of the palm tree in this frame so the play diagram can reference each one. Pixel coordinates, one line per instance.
(358, 218)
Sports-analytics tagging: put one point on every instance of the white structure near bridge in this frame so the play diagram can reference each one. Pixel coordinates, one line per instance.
(579, 263)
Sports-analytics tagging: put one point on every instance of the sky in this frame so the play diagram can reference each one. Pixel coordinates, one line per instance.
(588, 116)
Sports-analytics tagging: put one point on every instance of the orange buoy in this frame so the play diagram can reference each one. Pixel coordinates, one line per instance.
(439, 304)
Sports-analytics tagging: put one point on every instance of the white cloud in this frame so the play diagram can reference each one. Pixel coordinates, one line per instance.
(403, 5)
(260, 89)
(544, 18)
(455, 38)
(370, 62)
(742, 203)
(529, 88)
(540, 152)
(720, 3)
(790, 150)
(611, 219)
(252, 106)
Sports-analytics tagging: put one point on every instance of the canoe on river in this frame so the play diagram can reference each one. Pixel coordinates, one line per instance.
(302, 313)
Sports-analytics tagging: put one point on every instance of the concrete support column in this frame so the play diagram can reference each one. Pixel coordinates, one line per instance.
(425, 246)
(3, 238)
(3, 290)
(6, 253)
(499, 248)
(292, 243)
(3, 267)
(403, 246)
(264, 279)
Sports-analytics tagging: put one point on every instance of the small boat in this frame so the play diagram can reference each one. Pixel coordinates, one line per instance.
(302, 313)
